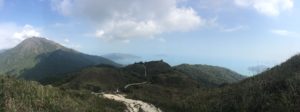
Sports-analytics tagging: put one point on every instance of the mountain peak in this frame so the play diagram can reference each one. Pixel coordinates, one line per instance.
(37, 58)
(38, 41)
(38, 45)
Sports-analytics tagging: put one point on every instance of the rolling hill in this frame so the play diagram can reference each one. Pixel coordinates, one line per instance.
(191, 88)
(105, 77)
(29, 96)
(108, 78)
(171, 89)
(38, 58)
(212, 75)
(275, 90)
(156, 82)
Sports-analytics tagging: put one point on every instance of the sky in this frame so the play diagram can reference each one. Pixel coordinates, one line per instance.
(237, 34)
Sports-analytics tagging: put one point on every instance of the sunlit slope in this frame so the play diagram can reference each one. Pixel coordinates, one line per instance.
(39, 58)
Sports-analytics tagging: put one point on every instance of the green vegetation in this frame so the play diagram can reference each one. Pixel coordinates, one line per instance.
(106, 78)
(36, 56)
(29, 96)
(276, 90)
(183, 88)
(211, 75)
(167, 87)
(96, 79)
(170, 89)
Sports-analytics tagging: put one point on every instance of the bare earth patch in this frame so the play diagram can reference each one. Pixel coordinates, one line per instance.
(132, 105)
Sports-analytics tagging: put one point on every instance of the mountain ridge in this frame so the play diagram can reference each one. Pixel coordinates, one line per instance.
(37, 58)
(213, 75)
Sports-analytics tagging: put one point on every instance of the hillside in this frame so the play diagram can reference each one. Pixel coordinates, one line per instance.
(96, 79)
(108, 78)
(39, 58)
(212, 75)
(163, 85)
(28, 96)
(275, 90)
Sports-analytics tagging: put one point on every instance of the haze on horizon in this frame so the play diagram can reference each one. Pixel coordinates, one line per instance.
(236, 34)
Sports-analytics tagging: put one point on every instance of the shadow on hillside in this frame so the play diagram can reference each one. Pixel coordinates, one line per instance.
(60, 62)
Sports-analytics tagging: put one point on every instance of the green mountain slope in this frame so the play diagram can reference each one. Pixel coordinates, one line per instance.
(165, 86)
(39, 58)
(275, 90)
(111, 78)
(96, 79)
(212, 75)
(27, 96)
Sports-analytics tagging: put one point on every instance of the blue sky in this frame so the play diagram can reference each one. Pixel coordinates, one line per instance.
(236, 34)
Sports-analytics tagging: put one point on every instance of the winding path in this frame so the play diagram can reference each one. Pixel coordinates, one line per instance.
(132, 105)
(135, 84)
(141, 83)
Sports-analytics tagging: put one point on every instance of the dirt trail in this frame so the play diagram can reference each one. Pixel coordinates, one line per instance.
(134, 84)
(132, 105)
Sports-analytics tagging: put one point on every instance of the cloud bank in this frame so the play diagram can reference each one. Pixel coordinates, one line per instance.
(26, 32)
(126, 19)
(267, 7)
(283, 32)
(258, 69)
(11, 34)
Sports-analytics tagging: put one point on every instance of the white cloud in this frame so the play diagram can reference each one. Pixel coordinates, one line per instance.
(70, 44)
(125, 29)
(99, 33)
(26, 32)
(224, 28)
(11, 34)
(62, 6)
(282, 32)
(126, 19)
(66, 40)
(267, 7)
(233, 29)
(258, 69)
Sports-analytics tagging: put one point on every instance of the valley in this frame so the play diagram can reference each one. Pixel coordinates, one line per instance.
(149, 56)
(153, 86)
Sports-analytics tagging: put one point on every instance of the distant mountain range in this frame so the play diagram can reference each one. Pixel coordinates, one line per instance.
(38, 58)
(123, 58)
(182, 88)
